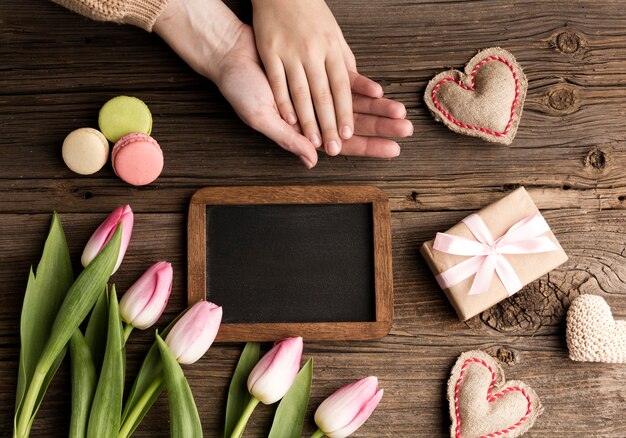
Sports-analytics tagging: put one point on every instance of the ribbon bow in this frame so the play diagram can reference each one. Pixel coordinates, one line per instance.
(487, 254)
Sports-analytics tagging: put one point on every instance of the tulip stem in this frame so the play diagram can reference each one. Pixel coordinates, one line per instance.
(127, 331)
(317, 434)
(241, 424)
(133, 415)
(22, 428)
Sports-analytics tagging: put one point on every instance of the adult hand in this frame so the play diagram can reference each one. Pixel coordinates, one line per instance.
(244, 84)
(210, 38)
(307, 60)
(375, 119)
(216, 44)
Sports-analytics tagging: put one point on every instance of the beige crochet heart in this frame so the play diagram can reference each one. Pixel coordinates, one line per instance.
(486, 101)
(483, 404)
(592, 333)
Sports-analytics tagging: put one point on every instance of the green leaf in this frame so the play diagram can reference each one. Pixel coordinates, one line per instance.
(148, 385)
(106, 410)
(79, 300)
(238, 395)
(46, 382)
(44, 295)
(184, 418)
(83, 384)
(95, 334)
(289, 417)
(82, 296)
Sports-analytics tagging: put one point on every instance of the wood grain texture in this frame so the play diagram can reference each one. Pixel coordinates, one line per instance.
(58, 68)
(282, 195)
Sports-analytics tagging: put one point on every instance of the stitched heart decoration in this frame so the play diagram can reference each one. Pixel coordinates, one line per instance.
(483, 404)
(486, 101)
(592, 333)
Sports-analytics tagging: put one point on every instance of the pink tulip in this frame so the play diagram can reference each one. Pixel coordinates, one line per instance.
(105, 231)
(272, 377)
(144, 302)
(194, 332)
(348, 408)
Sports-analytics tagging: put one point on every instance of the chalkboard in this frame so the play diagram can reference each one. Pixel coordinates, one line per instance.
(313, 261)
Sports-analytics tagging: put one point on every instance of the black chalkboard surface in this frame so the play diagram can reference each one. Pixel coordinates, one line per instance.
(291, 263)
(313, 261)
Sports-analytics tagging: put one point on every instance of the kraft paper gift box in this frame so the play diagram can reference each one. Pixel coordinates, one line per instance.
(492, 254)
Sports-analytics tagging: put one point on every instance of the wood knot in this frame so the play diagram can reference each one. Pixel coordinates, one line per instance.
(506, 356)
(568, 42)
(540, 303)
(414, 196)
(510, 187)
(80, 193)
(596, 159)
(561, 98)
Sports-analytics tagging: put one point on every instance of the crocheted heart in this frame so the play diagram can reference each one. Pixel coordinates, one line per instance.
(483, 404)
(486, 101)
(592, 333)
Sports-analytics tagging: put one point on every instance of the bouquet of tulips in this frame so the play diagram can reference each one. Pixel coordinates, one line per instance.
(83, 315)
(275, 377)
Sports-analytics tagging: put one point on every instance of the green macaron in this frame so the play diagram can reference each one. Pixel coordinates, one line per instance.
(123, 115)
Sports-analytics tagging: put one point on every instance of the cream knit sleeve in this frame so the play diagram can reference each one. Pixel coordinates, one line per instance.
(140, 13)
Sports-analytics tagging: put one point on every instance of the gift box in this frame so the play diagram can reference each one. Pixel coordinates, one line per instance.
(492, 254)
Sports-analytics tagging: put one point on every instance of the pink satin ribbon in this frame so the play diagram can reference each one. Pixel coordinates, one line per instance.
(487, 254)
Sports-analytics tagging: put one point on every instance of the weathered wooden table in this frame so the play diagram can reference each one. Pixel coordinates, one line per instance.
(57, 68)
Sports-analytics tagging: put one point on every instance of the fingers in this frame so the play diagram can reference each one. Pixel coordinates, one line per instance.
(365, 86)
(378, 107)
(278, 82)
(324, 108)
(301, 98)
(342, 95)
(348, 56)
(359, 146)
(366, 124)
(288, 138)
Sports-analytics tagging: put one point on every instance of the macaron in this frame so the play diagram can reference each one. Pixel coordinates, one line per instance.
(137, 159)
(85, 151)
(123, 115)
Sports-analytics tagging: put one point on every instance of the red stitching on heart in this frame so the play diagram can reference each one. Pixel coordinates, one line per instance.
(449, 116)
(490, 398)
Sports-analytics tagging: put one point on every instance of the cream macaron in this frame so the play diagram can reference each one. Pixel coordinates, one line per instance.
(85, 151)
(137, 159)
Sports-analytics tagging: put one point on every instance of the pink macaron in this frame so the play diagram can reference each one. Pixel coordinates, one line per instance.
(137, 159)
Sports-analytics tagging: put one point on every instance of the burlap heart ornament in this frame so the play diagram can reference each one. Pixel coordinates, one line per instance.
(592, 333)
(483, 404)
(485, 101)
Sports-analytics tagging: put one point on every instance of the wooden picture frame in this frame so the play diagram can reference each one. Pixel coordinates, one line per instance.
(286, 195)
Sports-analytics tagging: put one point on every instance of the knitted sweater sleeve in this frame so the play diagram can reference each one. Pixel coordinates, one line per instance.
(140, 13)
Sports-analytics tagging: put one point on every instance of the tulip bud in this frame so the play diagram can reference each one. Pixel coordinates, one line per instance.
(105, 231)
(273, 375)
(194, 332)
(348, 408)
(144, 302)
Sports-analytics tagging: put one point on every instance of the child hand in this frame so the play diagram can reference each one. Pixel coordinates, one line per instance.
(244, 84)
(306, 61)
(210, 38)
(216, 44)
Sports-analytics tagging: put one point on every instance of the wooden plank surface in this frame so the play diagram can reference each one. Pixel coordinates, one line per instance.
(58, 68)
